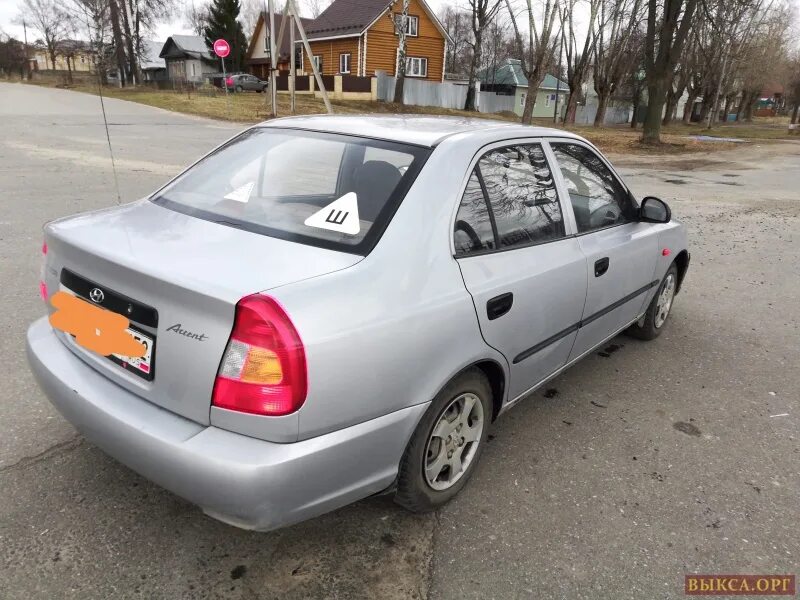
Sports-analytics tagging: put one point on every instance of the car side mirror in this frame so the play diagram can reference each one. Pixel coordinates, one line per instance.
(654, 210)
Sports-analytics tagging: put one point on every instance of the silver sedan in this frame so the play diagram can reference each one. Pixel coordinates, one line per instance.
(330, 307)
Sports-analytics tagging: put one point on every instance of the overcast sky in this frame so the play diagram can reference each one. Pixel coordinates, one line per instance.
(9, 9)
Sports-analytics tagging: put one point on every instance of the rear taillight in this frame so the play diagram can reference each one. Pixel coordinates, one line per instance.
(42, 284)
(263, 370)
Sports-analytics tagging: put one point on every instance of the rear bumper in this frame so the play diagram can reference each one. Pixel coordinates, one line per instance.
(237, 479)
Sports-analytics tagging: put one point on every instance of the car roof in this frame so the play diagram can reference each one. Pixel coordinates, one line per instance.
(422, 130)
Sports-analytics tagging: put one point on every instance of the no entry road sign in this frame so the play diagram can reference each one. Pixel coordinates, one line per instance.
(222, 48)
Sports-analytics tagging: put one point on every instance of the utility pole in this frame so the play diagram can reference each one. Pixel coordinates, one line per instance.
(27, 58)
(290, 11)
(273, 62)
(292, 65)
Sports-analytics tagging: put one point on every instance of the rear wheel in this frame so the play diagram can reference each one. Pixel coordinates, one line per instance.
(238, 88)
(651, 325)
(447, 444)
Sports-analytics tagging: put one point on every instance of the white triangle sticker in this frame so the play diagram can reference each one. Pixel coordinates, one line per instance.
(241, 194)
(340, 215)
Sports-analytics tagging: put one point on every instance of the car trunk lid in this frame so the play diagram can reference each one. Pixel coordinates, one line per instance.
(178, 279)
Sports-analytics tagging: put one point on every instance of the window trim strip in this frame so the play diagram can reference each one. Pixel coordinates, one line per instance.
(489, 208)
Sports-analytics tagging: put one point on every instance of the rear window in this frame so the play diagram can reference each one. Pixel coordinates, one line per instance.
(330, 190)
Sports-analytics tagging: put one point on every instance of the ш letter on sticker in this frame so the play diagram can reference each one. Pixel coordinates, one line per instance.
(340, 215)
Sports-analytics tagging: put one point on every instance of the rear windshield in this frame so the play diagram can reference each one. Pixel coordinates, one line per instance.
(323, 189)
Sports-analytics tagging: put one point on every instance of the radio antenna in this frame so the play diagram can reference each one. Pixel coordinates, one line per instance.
(108, 136)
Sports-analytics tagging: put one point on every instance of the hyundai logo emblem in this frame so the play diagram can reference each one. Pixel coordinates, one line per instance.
(96, 295)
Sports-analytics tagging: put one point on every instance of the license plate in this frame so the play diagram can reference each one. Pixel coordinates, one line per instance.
(142, 365)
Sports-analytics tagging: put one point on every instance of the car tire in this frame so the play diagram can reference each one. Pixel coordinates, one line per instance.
(657, 315)
(427, 449)
(238, 88)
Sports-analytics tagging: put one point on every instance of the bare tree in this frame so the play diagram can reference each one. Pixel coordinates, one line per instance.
(578, 55)
(316, 7)
(677, 86)
(91, 17)
(481, 14)
(613, 56)
(12, 55)
(758, 58)
(536, 56)
(456, 23)
(48, 19)
(793, 85)
(401, 24)
(119, 42)
(668, 26)
(251, 9)
(196, 18)
(141, 17)
(498, 44)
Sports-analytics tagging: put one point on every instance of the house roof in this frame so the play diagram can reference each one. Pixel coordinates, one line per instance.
(150, 58)
(345, 18)
(510, 73)
(74, 46)
(283, 51)
(64, 46)
(193, 46)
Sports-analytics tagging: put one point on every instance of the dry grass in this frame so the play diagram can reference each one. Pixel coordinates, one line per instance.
(251, 107)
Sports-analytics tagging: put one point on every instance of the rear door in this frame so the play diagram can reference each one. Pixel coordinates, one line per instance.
(525, 271)
(620, 251)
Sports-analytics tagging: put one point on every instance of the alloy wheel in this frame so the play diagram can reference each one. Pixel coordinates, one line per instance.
(454, 441)
(664, 302)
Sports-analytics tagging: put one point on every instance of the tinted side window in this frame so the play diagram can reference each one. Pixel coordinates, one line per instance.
(598, 199)
(522, 195)
(473, 228)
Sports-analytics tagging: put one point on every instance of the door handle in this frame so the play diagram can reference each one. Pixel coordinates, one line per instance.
(600, 266)
(499, 305)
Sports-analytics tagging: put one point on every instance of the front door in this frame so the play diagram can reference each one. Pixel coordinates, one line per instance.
(621, 252)
(525, 271)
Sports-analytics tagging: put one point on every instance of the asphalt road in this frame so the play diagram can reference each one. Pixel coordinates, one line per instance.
(645, 462)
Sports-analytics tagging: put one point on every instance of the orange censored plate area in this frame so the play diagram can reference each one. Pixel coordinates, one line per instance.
(94, 328)
(739, 585)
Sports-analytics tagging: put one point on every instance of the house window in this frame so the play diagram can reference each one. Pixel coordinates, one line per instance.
(547, 99)
(344, 63)
(298, 57)
(412, 24)
(317, 60)
(522, 100)
(416, 67)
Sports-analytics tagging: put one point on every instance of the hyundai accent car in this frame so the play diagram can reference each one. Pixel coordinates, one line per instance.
(329, 307)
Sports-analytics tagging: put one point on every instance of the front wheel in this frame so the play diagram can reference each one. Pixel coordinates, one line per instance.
(651, 325)
(447, 444)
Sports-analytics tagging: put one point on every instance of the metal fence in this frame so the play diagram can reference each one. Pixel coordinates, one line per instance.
(614, 115)
(422, 93)
(489, 102)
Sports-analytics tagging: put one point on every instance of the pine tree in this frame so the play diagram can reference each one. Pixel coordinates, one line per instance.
(223, 24)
